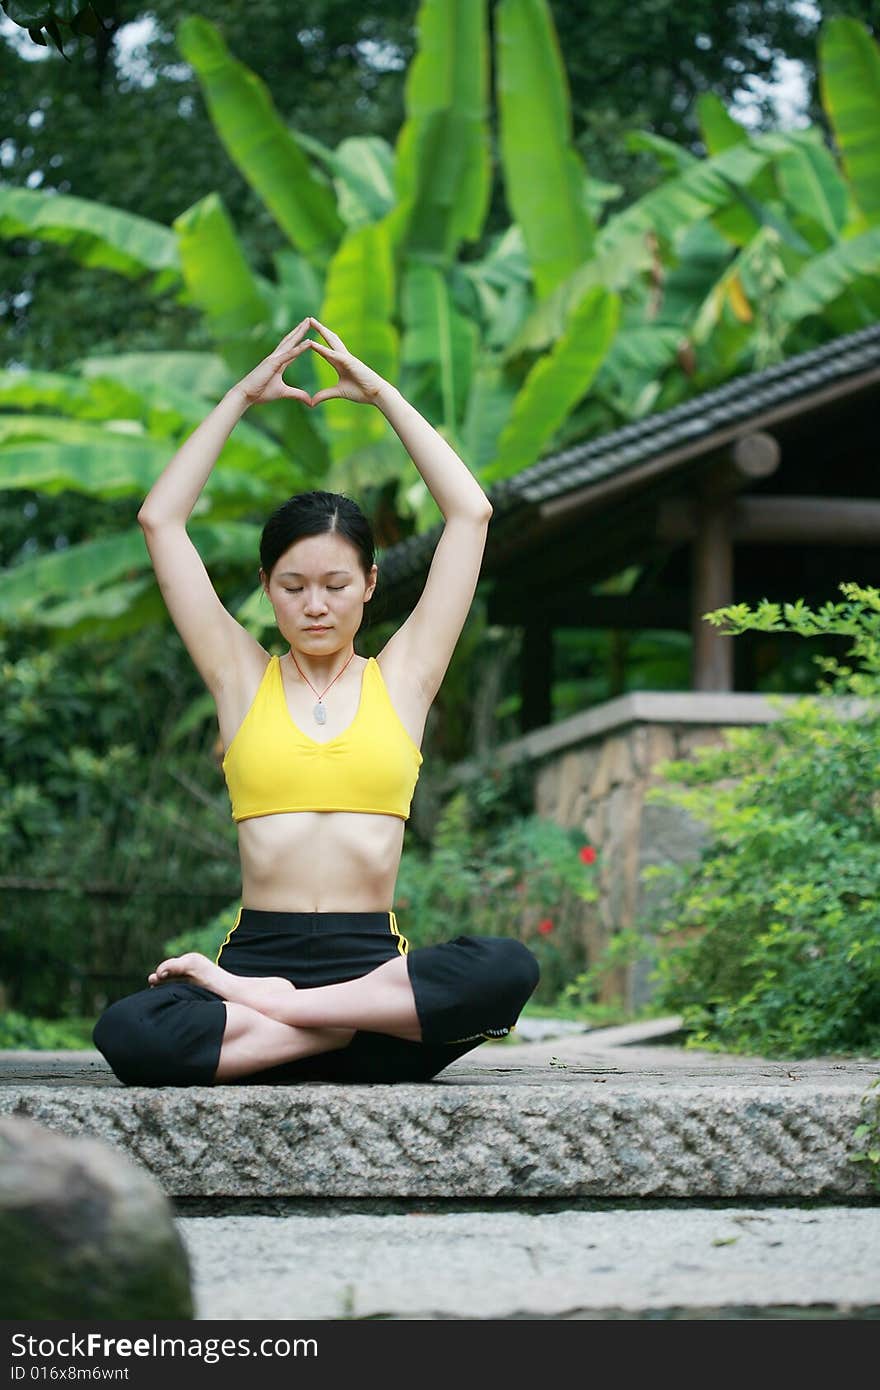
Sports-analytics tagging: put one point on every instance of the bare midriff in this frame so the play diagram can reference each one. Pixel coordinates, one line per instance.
(320, 861)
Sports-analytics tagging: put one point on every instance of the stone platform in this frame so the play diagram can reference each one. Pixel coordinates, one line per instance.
(617, 1113)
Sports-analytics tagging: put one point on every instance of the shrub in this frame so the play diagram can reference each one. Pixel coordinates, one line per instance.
(772, 942)
(485, 875)
(19, 1032)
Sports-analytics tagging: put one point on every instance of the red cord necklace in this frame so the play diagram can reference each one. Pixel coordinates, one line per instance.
(318, 710)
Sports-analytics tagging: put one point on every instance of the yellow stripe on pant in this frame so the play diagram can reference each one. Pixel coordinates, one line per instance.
(402, 943)
(228, 934)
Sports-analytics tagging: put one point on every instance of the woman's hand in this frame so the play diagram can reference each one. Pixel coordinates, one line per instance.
(266, 381)
(357, 382)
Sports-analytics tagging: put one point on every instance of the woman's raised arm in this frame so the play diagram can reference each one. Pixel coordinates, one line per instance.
(422, 647)
(213, 638)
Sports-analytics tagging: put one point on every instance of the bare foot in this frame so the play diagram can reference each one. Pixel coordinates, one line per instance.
(271, 995)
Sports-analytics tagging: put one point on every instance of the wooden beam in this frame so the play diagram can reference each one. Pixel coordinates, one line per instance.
(581, 609)
(807, 520)
(783, 520)
(750, 458)
(712, 552)
(536, 675)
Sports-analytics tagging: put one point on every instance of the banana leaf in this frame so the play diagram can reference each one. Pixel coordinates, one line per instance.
(363, 174)
(703, 255)
(623, 250)
(298, 292)
(238, 308)
(93, 567)
(201, 374)
(109, 602)
(543, 174)
(442, 168)
(815, 195)
(721, 132)
(26, 587)
(718, 128)
(95, 235)
(728, 290)
(107, 464)
(675, 159)
(829, 275)
(265, 152)
(627, 257)
(167, 414)
(144, 609)
(495, 291)
(436, 335)
(849, 81)
(637, 358)
(556, 383)
(219, 280)
(359, 307)
(489, 405)
(706, 188)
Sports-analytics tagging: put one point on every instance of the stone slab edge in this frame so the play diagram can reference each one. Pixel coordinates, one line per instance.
(691, 708)
(470, 1142)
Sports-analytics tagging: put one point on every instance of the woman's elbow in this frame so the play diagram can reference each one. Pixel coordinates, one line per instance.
(148, 517)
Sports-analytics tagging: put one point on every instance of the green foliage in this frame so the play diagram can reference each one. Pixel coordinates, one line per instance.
(490, 874)
(207, 938)
(19, 1032)
(571, 321)
(114, 822)
(772, 942)
(579, 997)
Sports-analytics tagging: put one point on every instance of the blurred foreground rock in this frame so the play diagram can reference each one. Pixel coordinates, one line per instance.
(84, 1232)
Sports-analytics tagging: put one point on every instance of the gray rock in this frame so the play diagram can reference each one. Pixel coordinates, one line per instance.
(84, 1232)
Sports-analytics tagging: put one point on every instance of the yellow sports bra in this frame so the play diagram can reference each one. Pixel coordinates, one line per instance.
(272, 767)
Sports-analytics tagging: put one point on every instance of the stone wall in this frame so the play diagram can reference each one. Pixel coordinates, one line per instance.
(592, 772)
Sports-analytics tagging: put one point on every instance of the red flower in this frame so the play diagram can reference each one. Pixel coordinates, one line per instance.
(545, 926)
(587, 854)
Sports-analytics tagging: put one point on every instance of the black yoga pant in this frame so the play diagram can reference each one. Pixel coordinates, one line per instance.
(465, 991)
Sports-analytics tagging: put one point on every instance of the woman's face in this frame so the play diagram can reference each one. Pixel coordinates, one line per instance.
(318, 590)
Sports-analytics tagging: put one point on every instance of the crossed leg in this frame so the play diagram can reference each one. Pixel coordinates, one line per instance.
(269, 1021)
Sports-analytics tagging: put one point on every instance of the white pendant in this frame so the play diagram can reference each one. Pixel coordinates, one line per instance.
(320, 713)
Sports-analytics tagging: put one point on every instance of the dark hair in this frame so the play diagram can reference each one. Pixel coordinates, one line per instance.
(313, 514)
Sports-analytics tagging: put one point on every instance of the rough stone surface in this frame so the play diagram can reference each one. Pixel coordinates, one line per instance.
(84, 1232)
(689, 1262)
(580, 1116)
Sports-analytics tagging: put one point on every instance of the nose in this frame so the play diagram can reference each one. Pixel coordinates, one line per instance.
(316, 605)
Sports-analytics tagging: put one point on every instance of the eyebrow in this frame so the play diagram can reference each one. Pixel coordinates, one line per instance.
(295, 574)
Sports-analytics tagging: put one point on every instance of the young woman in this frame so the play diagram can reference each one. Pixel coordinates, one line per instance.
(315, 981)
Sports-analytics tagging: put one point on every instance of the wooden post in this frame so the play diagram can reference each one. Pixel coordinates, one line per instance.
(536, 675)
(712, 560)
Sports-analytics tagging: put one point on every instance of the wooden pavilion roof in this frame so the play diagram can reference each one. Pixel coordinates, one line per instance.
(584, 514)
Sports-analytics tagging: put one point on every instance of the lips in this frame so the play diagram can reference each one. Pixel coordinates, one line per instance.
(317, 629)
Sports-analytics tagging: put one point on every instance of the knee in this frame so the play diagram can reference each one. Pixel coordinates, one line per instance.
(120, 1034)
(508, 972)
(138, 1036)
(519, 969)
